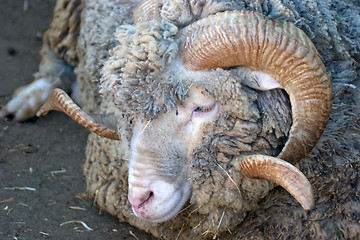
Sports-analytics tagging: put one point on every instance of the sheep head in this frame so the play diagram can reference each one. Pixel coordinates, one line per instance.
(163, 137)
(160, 152)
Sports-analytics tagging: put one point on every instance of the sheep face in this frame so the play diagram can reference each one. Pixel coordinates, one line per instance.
(159, 149)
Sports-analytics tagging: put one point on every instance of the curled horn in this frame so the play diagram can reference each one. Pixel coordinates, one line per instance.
(60, 101)
(277, 48)
(147, 10)
(280, 172)
(284, 52)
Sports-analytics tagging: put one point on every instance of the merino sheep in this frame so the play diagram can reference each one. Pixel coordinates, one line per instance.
(147, 81)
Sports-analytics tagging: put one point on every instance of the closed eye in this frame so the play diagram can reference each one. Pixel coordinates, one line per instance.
(202, 111)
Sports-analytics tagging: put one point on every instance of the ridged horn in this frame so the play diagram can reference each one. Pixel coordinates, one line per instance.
(147, 10)
(280, 172)
(278, 48)
(60, 101)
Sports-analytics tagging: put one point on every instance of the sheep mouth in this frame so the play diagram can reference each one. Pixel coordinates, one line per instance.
(164, 210)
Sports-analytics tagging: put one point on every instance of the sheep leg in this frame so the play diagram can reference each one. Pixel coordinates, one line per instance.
(56, 68)
(53, 73)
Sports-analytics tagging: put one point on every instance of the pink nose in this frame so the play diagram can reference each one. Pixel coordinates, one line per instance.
(139, 199)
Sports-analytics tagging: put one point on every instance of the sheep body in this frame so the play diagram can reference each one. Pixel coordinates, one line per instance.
(223, 203)
(214, 208)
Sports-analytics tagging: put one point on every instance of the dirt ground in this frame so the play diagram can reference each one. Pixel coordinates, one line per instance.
(41, 159)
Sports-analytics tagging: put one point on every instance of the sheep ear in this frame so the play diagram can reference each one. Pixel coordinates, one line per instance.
(261, 81)
(60, 101)
(280, 172)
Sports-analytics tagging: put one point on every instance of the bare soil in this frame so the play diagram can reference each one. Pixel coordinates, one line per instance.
(41, 180)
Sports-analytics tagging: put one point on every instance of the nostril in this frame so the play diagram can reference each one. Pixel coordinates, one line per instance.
(137, 200)
(150, 195)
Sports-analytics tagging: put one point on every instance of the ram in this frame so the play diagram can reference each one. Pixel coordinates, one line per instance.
(201, 108)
